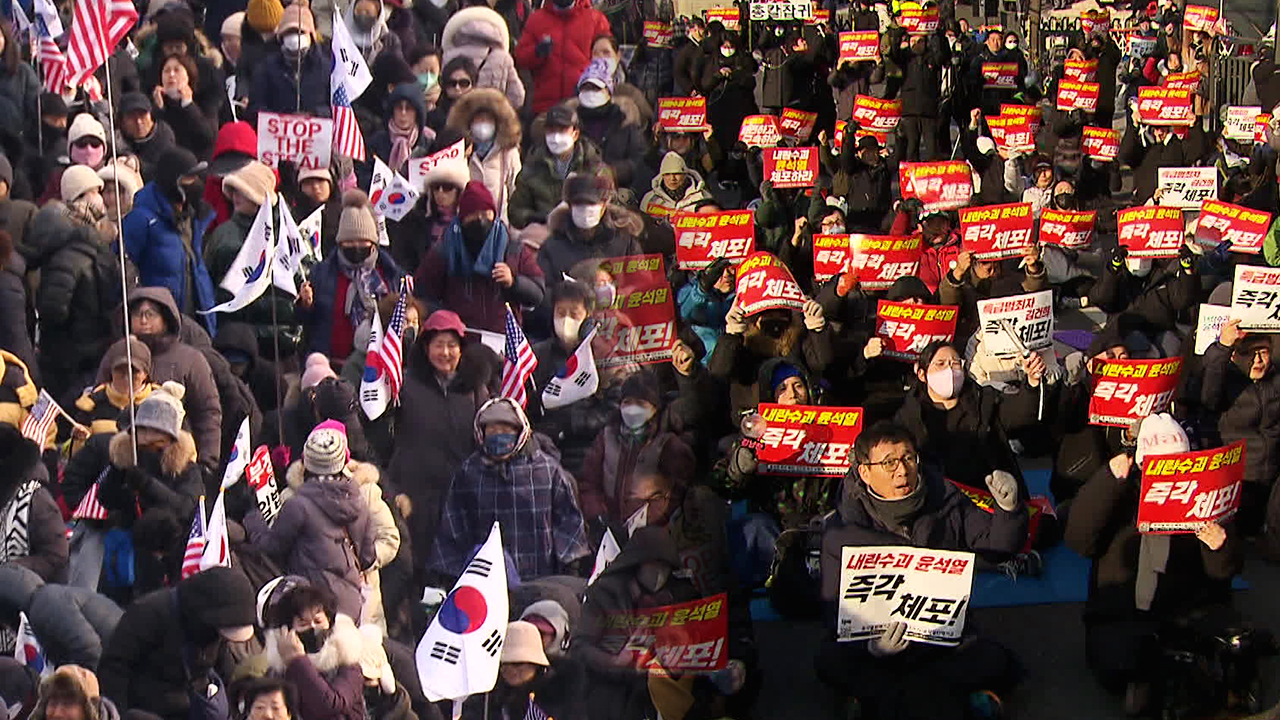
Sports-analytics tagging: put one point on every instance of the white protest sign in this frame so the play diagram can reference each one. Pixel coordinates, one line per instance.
(261, 476)
(1212, 318)
(927, 589)
(1187, 187)
(1029, 317)
(1255, 298)
(306, 140)
(1240, 121)
(419, 167)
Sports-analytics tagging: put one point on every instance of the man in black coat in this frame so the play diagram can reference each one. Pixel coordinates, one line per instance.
(1147, 148)
(921, 59)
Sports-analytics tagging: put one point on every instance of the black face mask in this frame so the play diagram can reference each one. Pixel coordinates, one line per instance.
(475, 232)
(1065, 201)
(410, 337)
(313, 639)
(564, 4)
(357, 255)
(773, 328)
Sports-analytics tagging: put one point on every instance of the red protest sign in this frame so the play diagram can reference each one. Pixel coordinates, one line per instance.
(919, 21)
(797, 124)
(657, 33)
(996, 232)
(260, 474)
(759, 131)
(907, 328)
(791, 167)
(1164, 106)
(1031, 111)
(727, 16)
(879, 260)
(1080, 71)
(686, 638)
(682, 114)
(807, 440)
(1244, 228)
(875, 114)
(861, 46)
(1199, 18)
(1129, 390)
(1095, 21)
(1082, 95)
(1183, 81)
(1100, 143)
(821, 16)
(830, 255)
(839, 134)
(945, 185)
(1000, 75)
(1012, 134)
(701, 238)
(765, 283)
(1182, 492)
(1067, 228)
(1260, 125)
(640, 325)
(1151, 231)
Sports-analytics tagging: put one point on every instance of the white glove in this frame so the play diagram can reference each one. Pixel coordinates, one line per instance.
(1004, 488)
(893, 641)
(433, 596)
(813, 317)
(735, 322)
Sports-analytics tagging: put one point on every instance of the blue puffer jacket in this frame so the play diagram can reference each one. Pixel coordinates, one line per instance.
(154, 243)
(705, 312)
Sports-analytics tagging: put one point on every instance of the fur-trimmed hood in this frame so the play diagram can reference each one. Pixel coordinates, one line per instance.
(476, 26)
(176, 458)
(342, 648)
(616, 217)
(490, 101)
(362, 474)
(632, 117)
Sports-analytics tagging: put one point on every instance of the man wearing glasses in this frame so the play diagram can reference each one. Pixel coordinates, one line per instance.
(888, 500)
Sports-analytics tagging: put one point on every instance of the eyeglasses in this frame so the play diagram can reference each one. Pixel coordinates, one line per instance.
(88, 142)
(444, 188)
(656, 498)
(890, 465)
(460, 83)
(146, 314)
(940, 364)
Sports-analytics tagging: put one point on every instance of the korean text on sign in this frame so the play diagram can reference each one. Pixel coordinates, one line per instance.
(919, 21)
(1164, 106)
(1183, 81)
(879, 260)
(306, 140)
(657, 33)
(1255, 298)
(688, 637)
(791, 167)
(1129, 390)
(1151, 231)
(926, 589)
(759, 131)
(797, 124)
(1199, 17)
(1071, 229)
(702, 238)
(946, 185)
(1000, 75)
(860, 46)
(907, 328)
(1012, 133)
(1035, 113)
(1080, 71)
(1028, 317)
(1239, 122)
(1209, 322)
(793, 10)
(808, 440)
(1184, 491)
(1261, 127)
(727, 16)
(995, 232)
(872, 113)
(830, 256)
(1100, 143)
(1222, 222)
(683, 114)
(765, 283)
(1078, 95)
(1186, 187)
(261, 477)
(640, 326)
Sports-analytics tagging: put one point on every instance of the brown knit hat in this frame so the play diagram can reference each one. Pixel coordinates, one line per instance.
(297, 17)
(255, 181)
(264, 15)
(357, 222)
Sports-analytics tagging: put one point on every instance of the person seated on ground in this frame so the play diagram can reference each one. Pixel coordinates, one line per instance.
(317, 649)
(891, 498)
(72, 692)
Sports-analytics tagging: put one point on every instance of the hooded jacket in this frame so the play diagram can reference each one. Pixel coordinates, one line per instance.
(170, 481)
(154, 241)
(30, 522)
(661, 202)
(615, 461)
(234, 138)
(321, 321)
(330, 684)
(555, 76)
(262, 376)
(380, 143)
(480, 301)
(617, 235)
(539, 189)
(481, 35)
(73, 623)
(618, 130)
(1244, 409)
(93, 706)
(1157, 300)
(378, 39)
(501, 165)
(738, 358)
(1146, 157)
(15, 310)
(223, 245)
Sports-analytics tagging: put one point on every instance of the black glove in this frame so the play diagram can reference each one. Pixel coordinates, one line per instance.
(135, 478)
(1117, 256)
(912, 207)
(1186, 258)
(711, 275)
(240, 500)
(543, 48)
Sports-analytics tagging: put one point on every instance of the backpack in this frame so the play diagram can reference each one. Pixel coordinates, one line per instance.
(795, 575)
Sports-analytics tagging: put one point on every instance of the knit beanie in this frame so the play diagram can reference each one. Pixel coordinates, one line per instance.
(255, 181)
(672, 164)
(297, 17)
(598, 72)
(264, 15)
(128, 179)
(475, 198)
(317, 369)
(325, 452)
(783, 371)
(1160, 434)
(78, 180)
(233, 24)
(162, 410)
(357, 222)
(85, 124)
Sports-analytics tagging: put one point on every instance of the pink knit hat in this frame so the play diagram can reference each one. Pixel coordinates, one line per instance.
(317, 369)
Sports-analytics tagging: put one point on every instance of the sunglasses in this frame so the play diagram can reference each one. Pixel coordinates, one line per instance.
(461, 83)
(88, 142)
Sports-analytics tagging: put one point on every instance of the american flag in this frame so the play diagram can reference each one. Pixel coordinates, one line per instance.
(347, 81)
(391, 353)
(53, 64)
(40, 419)
(195, 544)
(534, 711)
(519, 364)
(90, 508)
(96, 27)
(347, 139)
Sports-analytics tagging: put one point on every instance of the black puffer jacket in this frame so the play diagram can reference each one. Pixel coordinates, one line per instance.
(15, 335)
(1246, 410)
(1155, 300)
(1146, 157)
(922, 78)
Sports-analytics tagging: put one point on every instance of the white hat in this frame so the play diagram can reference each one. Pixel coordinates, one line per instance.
(233, 23)
(85, 124)
(78, 180)
(1160, 434)
(523, 644)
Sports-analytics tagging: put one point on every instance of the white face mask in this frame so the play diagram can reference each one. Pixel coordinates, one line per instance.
(612, 64)
(483, 131)
(295, 42)
(727, 52)
(593, 98)
(945, 382)
(587, 216)
(1011, 45)
(439, 3)
(559, 143)
(635, 416)
(1138, 267)
(836, 230)
(566, 328)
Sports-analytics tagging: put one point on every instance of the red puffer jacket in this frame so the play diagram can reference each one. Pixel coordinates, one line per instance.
(555, 77)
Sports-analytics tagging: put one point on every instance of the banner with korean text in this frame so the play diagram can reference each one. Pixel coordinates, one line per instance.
(1182, 492)
(1151, 231)
(690, 637)
(1255, 298)
(907, 328)
(945, 185)
(996, 232)
(924, 588)
(702, 238)
(807, 440)
(640, 325)
(1129, 390)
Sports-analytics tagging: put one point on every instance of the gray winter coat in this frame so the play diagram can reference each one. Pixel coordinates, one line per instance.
(71, 622)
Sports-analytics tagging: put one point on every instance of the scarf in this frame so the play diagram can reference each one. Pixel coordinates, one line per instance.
(461, 264)
(1153, 557)
(365, 287)
(896, 513)
(402, 143)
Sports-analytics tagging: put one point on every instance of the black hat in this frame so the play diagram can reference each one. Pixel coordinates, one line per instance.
(642, 385)
(53, 105)
(561, 116)
(179, 162)
(585, 189)
(868, 142)
(133, 102)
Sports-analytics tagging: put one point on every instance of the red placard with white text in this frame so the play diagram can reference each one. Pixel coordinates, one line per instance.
(919, 21)
(807, 440)
(1183, 81)
(640, 325)
(1078, 95)
(1100, 143)
(1129, 390)
(791, 167)
(1199, 18)
(860, 46)
(690, 637)
(1002, 76)
(907, 328)
(727, 16)
(1080, 71)
(1070, 229)
(797, 124)
(1260, 126)
(682, 114)
(1031, 111)
(1012, 133)
(1151, 231)
(879, 260)
(657, 33)
(260, 475)
(1184, 491)
(1164, 106)
(945, 185)
(759, 131)
(702, 238)
(996, 232)
(1243, 227)
(877, 115)
(765, 283)
(1092, 22)
(830, 256)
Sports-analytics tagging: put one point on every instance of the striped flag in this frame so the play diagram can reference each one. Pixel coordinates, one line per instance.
(518, 364)
(40, 419)
(195, 544)
(347, 81)
(96, 28)
(90, 508)
(347, 139)
(53, 64)
(217, 547)
(391, 352)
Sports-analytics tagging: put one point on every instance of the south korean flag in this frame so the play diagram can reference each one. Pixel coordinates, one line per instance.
(578, 379)
(459, 654)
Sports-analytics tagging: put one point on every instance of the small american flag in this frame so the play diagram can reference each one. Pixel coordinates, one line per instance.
(519, 363)
(347, 139)
(53, 64)
(391, 354)
(534, 711)
(96, 27)
(90, 508)
(195, 544)
(40, 419)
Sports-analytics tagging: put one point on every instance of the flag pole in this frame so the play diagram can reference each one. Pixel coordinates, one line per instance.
(275, 322)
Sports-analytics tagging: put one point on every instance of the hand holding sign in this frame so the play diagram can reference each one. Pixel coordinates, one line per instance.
(1212, 535)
